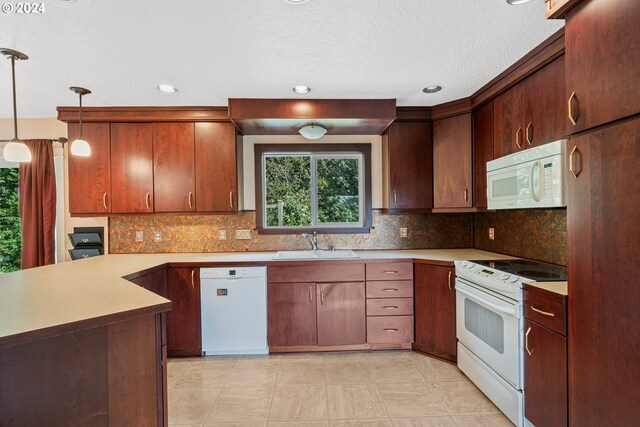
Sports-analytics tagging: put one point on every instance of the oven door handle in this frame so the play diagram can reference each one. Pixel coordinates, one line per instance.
(482, 301)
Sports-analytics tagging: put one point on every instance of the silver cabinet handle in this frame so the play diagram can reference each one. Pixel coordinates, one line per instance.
(391, 272)
(449, 281)
(147, 201)
(390, 289)
(321, 297)
(526, 341)
(546, 313)
(190, 200)
(310, 294)
(389, 307)
(395, 198)
(104, 201)
(193, 283)
(391, 329)
(231, 199)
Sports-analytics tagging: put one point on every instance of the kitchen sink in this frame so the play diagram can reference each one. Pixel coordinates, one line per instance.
(319, 254)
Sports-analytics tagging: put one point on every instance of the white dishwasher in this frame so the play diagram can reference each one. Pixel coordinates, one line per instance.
(234, 310)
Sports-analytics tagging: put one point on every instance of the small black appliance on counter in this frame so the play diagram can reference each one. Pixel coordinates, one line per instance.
(87, 242)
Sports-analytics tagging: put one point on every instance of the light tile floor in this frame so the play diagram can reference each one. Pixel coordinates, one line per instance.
(377, 389)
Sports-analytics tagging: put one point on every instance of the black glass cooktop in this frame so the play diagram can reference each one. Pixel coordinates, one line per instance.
(535, 270)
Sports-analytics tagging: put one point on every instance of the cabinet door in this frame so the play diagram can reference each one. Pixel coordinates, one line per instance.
(132, 167)
(482, 151)
(452, 162)
(90, 177)
(216, 168)
(603, 225)
(545, 106)
(435, 311)
(184, 336)
(603, 61)
(508, 121)
(173, 167)
(341, 313)
(410, 153)
(291, 309)
(155, 282)
(545, 376)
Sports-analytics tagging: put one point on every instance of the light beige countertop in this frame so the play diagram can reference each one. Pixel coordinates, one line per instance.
(561, 288)
(46, 301)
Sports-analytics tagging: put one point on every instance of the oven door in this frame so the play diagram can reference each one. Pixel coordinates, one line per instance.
(488, 325)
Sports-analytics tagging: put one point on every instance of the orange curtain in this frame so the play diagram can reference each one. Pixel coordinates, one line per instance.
(37, 193)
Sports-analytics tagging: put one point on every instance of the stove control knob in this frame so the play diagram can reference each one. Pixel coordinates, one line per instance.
(514, 279)
(505, 276)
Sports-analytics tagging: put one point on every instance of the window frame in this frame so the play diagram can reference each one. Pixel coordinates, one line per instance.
(319, 150)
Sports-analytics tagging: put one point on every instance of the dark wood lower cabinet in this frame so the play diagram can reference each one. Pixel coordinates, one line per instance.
(184, 329)
(341, 314)
(291, 309)
(545, 376)
(435, 311)
(603, 225)
(154, 281)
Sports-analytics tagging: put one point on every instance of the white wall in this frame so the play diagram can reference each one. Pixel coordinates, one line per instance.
(248, 159)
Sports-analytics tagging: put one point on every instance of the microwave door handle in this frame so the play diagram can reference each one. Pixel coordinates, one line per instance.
(485, 302)
(532, 190)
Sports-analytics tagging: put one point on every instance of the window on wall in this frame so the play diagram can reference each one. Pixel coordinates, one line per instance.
(10, 238)
(313, 187)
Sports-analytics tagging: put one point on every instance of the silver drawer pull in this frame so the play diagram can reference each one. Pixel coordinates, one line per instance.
(391, 330)
(390, 289)
(546, 313)
(391, 272)
(390, 307)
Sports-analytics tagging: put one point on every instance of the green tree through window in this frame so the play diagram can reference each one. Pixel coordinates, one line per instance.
(10, 241)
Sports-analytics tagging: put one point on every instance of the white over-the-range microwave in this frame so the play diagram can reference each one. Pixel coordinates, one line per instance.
(532, 178)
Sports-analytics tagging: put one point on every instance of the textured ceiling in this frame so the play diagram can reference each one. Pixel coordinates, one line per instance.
(213, 49)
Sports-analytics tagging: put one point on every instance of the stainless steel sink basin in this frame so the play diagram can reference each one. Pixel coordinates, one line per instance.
(320, 254)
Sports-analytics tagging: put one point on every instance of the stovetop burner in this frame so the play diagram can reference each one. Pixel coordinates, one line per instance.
(535, 270)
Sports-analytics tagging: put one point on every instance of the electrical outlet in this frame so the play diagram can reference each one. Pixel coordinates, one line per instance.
(492, 234)
(139, 236)
(403, 231)
(157, 237)
(243, 234)
(222, 234)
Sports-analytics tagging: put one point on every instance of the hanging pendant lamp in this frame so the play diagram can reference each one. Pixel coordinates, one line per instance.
(15, 150)
(80, 147)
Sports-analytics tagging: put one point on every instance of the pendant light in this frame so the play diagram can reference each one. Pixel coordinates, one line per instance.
(80, 147)
(15, 150)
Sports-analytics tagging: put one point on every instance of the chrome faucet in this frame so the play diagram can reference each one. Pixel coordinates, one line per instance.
(313, 239)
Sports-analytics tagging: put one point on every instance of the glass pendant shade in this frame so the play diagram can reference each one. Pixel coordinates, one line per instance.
(80, 148)
(312, 132)
(16, 152)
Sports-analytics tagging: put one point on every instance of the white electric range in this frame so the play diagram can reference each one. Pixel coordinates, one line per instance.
(489, 325)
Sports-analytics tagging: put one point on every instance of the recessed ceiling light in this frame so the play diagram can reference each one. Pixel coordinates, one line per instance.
(295, 1)
(167, 88)
(432, 89)
(515, 2)
(301, 89)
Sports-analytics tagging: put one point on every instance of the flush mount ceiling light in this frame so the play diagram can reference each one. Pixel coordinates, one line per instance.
(301, 89)
(296, 1)
(516, 2)
(15, 150)
(80, 147)
(312, 131)
(432, 89)
(167, 88)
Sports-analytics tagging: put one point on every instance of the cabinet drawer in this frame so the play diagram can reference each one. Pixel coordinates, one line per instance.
(315, 271)
(389, 329)
(390, 271)
(546, 309)
(390, 307)
(390, 289)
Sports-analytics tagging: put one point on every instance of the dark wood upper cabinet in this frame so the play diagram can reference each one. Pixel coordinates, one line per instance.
(408, 165)
(216, 167)
(482, 151)
(132, 167)
(532, 112)
(603, 62)
(90, 177)
(341, 313)
(603, 222)
(184, 329)
(452, 182)
(291, 309)
(173, 167)
(435, 311)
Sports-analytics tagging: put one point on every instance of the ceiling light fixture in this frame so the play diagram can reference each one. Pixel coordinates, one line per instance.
(167, 88)
(432, 89)
(80, 147)
(516, 2)
(312, 131)
(15, 150)
(296, 1)
(302, 89)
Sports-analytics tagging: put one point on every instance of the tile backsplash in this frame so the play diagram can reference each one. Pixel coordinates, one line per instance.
(539, 234)
(200, 233)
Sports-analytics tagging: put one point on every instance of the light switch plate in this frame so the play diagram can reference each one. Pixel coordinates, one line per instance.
(157, 237)
(222, 234)
(403, 232)
(243, 234)
(139, 236)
